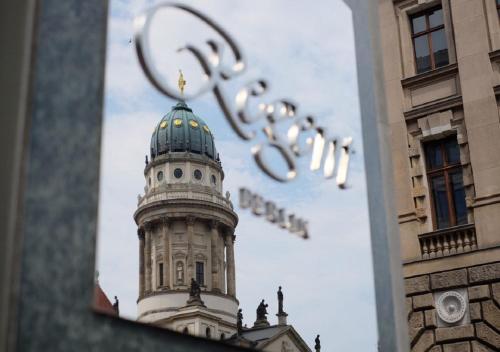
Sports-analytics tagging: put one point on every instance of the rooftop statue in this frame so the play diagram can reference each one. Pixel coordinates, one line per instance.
(262, 311)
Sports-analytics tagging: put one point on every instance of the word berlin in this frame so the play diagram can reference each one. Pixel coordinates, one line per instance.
(315, 140)
(273, 214)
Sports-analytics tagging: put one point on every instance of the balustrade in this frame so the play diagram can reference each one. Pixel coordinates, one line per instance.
(453, 240)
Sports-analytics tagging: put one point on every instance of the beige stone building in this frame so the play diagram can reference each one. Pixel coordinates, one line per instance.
(441, 61)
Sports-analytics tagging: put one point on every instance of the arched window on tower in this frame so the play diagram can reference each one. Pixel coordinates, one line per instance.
(179, 273)
(208, 333)
(160, 274)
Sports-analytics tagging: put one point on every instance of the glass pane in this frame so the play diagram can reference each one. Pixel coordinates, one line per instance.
(440, 199)
(459, 197)
(452, 151)
(418, 24)
(440, 48)
(436, 18)
(422, 57)
(434, 156)
(185, 217)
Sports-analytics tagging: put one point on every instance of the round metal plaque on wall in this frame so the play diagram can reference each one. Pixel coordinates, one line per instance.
(451, 307)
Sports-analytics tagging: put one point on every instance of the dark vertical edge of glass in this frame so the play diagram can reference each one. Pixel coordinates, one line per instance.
(16, 26)
(389, 289)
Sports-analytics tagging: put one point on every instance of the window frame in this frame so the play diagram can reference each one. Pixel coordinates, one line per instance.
(428, 33)
(445, 170)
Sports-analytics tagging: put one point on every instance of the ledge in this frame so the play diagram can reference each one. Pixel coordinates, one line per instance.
(433, 107)
(430, 76)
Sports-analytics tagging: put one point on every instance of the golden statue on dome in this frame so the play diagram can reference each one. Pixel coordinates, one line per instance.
(181, 82)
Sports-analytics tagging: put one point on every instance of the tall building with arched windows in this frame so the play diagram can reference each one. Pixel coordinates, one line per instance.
(186, 230)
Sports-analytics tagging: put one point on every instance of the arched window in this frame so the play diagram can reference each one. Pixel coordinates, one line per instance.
(222, 336)
(179, 272)
(185, 331)
(208, 333)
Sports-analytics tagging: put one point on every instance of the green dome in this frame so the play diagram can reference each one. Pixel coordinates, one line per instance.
(182, 131)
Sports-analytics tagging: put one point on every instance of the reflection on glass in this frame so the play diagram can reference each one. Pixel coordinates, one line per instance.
(440, 198)
(452, 151)
(418, 24)
(429, 40)
(436, 18)
(459, 198)
(195, 270)
(422, 54)
(439, 48)
(434, 156)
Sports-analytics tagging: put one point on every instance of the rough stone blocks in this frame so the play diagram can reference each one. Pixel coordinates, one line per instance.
(484, 273)
(419, 284)
(491, 314)
(454, 333)
(457, 347)
(425, 342)
(449, 279)
(475, 311)
(423, 301)
(488, 335)
(477, 293)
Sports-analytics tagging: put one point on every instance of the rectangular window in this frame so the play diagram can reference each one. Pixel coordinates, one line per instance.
(429, 39)
(160, 274)
(498, 7)
(200, 273)
(444, 173)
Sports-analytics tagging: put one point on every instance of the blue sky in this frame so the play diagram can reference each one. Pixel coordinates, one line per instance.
(307, 54)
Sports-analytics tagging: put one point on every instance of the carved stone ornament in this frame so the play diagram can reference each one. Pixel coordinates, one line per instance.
(451, 307)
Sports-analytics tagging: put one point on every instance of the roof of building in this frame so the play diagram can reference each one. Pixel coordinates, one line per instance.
(181, 130)
(102, 303)
(261, 337)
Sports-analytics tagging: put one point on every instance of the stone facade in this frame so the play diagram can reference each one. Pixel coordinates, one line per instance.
(455, 99)
(186, 231)
(479, 332)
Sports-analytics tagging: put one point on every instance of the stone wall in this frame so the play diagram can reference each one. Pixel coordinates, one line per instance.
(478, 331)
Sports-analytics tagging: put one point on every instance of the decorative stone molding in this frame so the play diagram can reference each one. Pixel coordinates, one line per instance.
(451, 307)
(479, 288)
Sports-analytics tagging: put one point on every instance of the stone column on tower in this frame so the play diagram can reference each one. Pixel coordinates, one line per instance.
(147, 261)
(166, 252)
(190, 255)
(214, 256)
(140, 233)
(231, 272)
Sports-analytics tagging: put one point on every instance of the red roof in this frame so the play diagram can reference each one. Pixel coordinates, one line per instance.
(102, 303)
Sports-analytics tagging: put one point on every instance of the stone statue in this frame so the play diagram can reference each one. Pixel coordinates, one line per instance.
(280, 301)
(317, 346)
(195, 294)
(195, 290)
(239, 323)
(116, 305)
(228, 195)
(262, 311)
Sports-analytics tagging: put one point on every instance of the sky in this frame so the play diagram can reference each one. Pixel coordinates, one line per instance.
(306, 53)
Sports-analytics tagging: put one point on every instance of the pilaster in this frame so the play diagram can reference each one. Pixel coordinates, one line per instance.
(190, 255)
(140, 234)
(147, 253)
(166, 252)
(231, 272)
(214, 256)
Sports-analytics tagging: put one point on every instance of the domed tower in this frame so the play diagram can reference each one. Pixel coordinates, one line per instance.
(186, 231)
